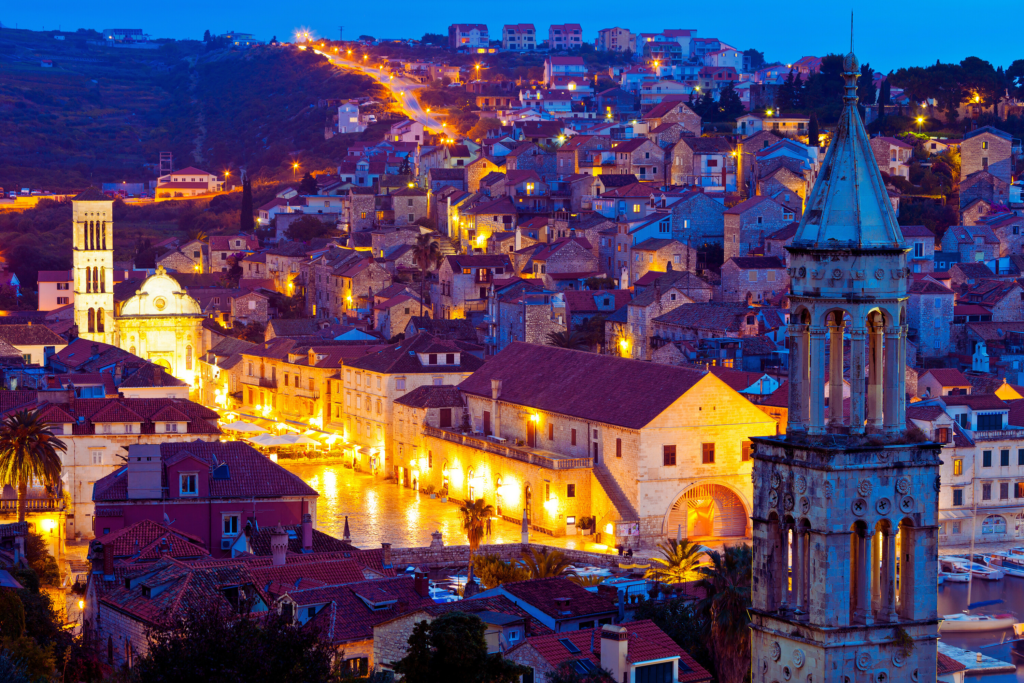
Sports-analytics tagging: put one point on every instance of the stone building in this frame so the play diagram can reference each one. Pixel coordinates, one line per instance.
(972, 242)
(930, 317)
(464, 281)
(93, 268)
(747, 224)
(748, 147)
(984, 186)
(987, 149)
(661, 255)
(642, 158)
(697, 219)
(674, 111)
(528, 315)
(410, 204)
(753, 279)
(828, 502)
(545, 440)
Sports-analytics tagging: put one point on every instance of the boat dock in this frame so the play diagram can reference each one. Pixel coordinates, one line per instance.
(977, 663)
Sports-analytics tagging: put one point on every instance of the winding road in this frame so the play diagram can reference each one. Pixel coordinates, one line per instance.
(401, 88)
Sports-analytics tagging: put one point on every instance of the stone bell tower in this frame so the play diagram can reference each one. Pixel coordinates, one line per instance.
(847, 490)
(93, 270)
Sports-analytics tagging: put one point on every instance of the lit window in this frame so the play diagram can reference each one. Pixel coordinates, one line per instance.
(188, 484)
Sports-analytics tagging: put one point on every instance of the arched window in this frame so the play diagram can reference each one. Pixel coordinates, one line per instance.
(188, 357)
(103, 280)
(131, 350)
(103, 235)
(250, 370)
(100, 324)
(994, 524)
(95, 279)
(92, 320)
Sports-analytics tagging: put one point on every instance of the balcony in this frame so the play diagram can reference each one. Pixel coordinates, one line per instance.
(998, 434)
(10, 506)
(532, 456)
(307, 393)
(264, 382)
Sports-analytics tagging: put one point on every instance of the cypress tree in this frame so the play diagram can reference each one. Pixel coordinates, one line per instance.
(813, 138)
(246, 217)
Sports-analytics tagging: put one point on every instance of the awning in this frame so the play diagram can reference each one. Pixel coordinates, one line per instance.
(946, 515)
(364, 450)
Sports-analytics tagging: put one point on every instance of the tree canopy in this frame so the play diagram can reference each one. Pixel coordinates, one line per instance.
(308, 228)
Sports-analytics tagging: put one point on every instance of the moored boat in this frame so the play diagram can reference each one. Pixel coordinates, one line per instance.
(975, 622)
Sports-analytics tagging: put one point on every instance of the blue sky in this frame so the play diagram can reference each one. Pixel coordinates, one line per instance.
(888, 34)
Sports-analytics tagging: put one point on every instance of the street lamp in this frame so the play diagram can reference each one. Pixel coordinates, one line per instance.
(920, 120)
(295, 169)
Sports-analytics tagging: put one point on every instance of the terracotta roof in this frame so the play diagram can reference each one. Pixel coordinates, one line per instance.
(748, 204)
(947, 377)
(976, 401)
(662, 108)
(736, 379)
(402, 357)
(542, 594)
(355, 618)
(924, 413)
(757, 262)
(148, 540)
(916, 231)
(707, 316)
(429, 396)
(54, 276)
(928, 286)
(563, 381)
(944, 664)
(30, 335)
(250, 474)
(91, 194)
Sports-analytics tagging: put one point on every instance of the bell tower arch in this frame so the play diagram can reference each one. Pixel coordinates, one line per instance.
(93, 265)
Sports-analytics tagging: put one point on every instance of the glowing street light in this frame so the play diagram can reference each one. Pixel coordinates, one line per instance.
(295, 169)
(768, 112)
(920, 120)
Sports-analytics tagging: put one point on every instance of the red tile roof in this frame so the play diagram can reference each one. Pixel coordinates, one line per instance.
(976, 401)
(543, 594)
(563, 381)
(947, 377)
(947, 665)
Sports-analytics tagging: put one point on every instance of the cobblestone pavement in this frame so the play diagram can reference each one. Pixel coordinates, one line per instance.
(380, 510)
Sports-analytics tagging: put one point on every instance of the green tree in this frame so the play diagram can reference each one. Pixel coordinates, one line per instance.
(813, 137)
(866, 93)
(434, 39)
(475, 514)
(452, 649)
(28, 450)
(726, 584)
(308, 227)
(426, 253)
(206, 36)
(494, 571)
(12, 615)
(756, 58)
(678, 561)
(406, 168)
(212, 644)
(682, 622)
(570, 339)
(546, 564)
(1015, 78)
(884, 99)
(566, 672)
(308, 186)
(246, 217)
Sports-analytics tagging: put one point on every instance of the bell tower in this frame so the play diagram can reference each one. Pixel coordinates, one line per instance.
(93, 245)
(847, 495)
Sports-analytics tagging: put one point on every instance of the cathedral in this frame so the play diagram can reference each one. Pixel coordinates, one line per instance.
(159, 321)
(845, 503)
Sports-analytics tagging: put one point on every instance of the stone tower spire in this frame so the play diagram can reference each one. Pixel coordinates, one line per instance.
(93, 265)
(844, 493)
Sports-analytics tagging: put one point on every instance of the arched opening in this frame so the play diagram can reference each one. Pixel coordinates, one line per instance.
(100, 324)
(470, 486)
(907, 539)
(103, 235)
(131, 350)
(707, 510)
(162, 362)
(860, 573)
(188, 357)
(92, 320)
(497, 496)
(103, 280)
(528, 504)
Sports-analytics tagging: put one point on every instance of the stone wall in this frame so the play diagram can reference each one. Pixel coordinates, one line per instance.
(930, 317)
(737, 284)
(996, 159)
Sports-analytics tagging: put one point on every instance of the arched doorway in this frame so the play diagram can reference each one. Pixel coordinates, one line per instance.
(528, 503)
(708, 510)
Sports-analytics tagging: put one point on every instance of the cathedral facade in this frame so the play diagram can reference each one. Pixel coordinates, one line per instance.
(159, 322)
(846, 503)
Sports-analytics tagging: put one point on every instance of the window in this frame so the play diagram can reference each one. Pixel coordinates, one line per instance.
(400, 384)
(431, 359)
(618, 448)
(1004, 457)
(958, 467)
(1020, 456)
(942, 435)
(669, 455)
(986, 491)
(746, 451)
(188, 484)
(708, 453)
(958, 497)
(1004, 490)
(771, 275)
(918, 249)
(986, 458)
(551, 431)
(570, 491)
(574, 437)
(230, 523)
(170, 426)
(1019, 490)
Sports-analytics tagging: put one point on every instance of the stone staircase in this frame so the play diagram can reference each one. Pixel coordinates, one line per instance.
(627, 513)
(448, 247)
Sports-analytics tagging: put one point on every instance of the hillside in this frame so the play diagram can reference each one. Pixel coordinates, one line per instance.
(103, 114)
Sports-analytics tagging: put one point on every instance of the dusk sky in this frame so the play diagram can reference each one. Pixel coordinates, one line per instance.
(888, 34)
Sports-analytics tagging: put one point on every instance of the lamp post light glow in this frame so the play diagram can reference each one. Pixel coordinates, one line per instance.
(295, 169)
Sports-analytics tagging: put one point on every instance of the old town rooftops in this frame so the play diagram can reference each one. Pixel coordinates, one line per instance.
(405, 357)
(147, 541)
(577, 383)
(557, 597)
(249, 473)
(430, 396)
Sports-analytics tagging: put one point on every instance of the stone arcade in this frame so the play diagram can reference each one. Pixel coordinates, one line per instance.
(846, 491)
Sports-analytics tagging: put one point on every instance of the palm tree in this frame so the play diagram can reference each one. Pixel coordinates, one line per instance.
(570, 339)
(475, 514)
(28, 450)
(727, 587)
(677, 562)
(545, 564)
(427, 255)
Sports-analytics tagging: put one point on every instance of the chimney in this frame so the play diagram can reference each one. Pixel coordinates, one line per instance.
(118, 373)
(495, 415)
(614, 646)
(95, 351)
(386, 561)
(108, 561)
(307, 533)
(421, 584)
(346, 536)
(279, 545)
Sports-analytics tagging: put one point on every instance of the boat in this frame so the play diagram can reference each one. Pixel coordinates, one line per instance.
(978, 570)
(954, 572)
(975, 622)
(1007, 561)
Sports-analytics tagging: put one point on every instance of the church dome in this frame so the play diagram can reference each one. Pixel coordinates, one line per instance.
(850, 63)
(161, 295)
